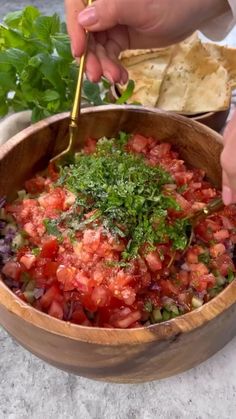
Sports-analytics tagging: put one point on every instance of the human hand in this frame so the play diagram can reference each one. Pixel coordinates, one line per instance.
(117, 25)
(228, 162)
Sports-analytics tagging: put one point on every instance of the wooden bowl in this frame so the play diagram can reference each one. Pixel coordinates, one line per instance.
(214, 120)
(134, 355)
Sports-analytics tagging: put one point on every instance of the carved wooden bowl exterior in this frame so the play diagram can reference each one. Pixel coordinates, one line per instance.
(115, 355)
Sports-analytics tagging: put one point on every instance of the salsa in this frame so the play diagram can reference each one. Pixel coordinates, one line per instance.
(92, 242)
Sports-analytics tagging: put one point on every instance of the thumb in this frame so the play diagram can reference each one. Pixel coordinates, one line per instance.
(105, 14)
(228, 162)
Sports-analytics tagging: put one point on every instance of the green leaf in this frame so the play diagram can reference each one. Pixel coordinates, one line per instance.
(127, 93)
(61, 43)
(46, 26)
(50, 95)
(30, 13)
(92, 93)
(12, 38)
(14, 57)
(50, 70)
(39, 113)
(3, 107)
(7, 80)
(63, 28)
(13, 19)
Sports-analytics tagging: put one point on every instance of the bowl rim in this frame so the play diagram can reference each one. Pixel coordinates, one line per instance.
(169, 330)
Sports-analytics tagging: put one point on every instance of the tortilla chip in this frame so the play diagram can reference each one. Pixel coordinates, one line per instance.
(225, 56)
(190, 77)
(147, 70)
(194, 82)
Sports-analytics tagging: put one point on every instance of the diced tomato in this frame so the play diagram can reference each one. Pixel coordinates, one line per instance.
(101, 296)
(183, 278)
(35, 185)
(91, 240)
(154, 262)
(200, 268)
(160, 151)
(12, 270)
(138, 143)
(49, 249)
(50, 269)
(192, 255)
(28, 260)
(78, 316)
(221, 235)
(182, 178)
(53, 172)
(168, 288)
(66, 276)
(90, 146)
(83, 282)
(56, 310)
(217, 250)
(89, 304)
(224, 264)
(206, 229)
(53, 200)
(202, 282)
(53, 293)
(30, 229)
(128, 295)
(123, 321)
(227, 223)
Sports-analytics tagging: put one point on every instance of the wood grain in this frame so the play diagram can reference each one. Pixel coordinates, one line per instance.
(136, 355)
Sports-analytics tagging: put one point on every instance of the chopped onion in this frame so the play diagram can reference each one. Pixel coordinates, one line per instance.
(197, 302)
(185, 267)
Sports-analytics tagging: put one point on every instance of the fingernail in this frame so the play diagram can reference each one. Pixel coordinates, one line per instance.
(108, 77)
(227, 195)
(88, 17)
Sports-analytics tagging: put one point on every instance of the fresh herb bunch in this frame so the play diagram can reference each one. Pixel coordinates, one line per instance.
(127, 194)
(37, 70)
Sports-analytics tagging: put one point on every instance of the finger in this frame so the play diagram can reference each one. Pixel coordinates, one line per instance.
(110, 69)
(93, 67)
(105, 14)
(228, 195)
(228, 156)
(113, 50)
(75, 31)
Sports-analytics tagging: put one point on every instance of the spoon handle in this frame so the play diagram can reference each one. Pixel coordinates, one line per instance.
(77, 98)
(213, 206)
(74, 116)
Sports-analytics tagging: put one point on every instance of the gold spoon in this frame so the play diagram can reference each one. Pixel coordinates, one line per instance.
(213, 206)
(73, 126)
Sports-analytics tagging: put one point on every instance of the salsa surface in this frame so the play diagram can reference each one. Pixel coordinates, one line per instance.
(93, 242)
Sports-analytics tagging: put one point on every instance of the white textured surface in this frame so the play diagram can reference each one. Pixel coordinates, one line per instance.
(30, 389)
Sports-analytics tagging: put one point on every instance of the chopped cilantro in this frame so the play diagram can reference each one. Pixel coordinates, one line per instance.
(230, 276)
(204, 258)
(52, 227)
(36, 251)
(127, 194)
(182, 188)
